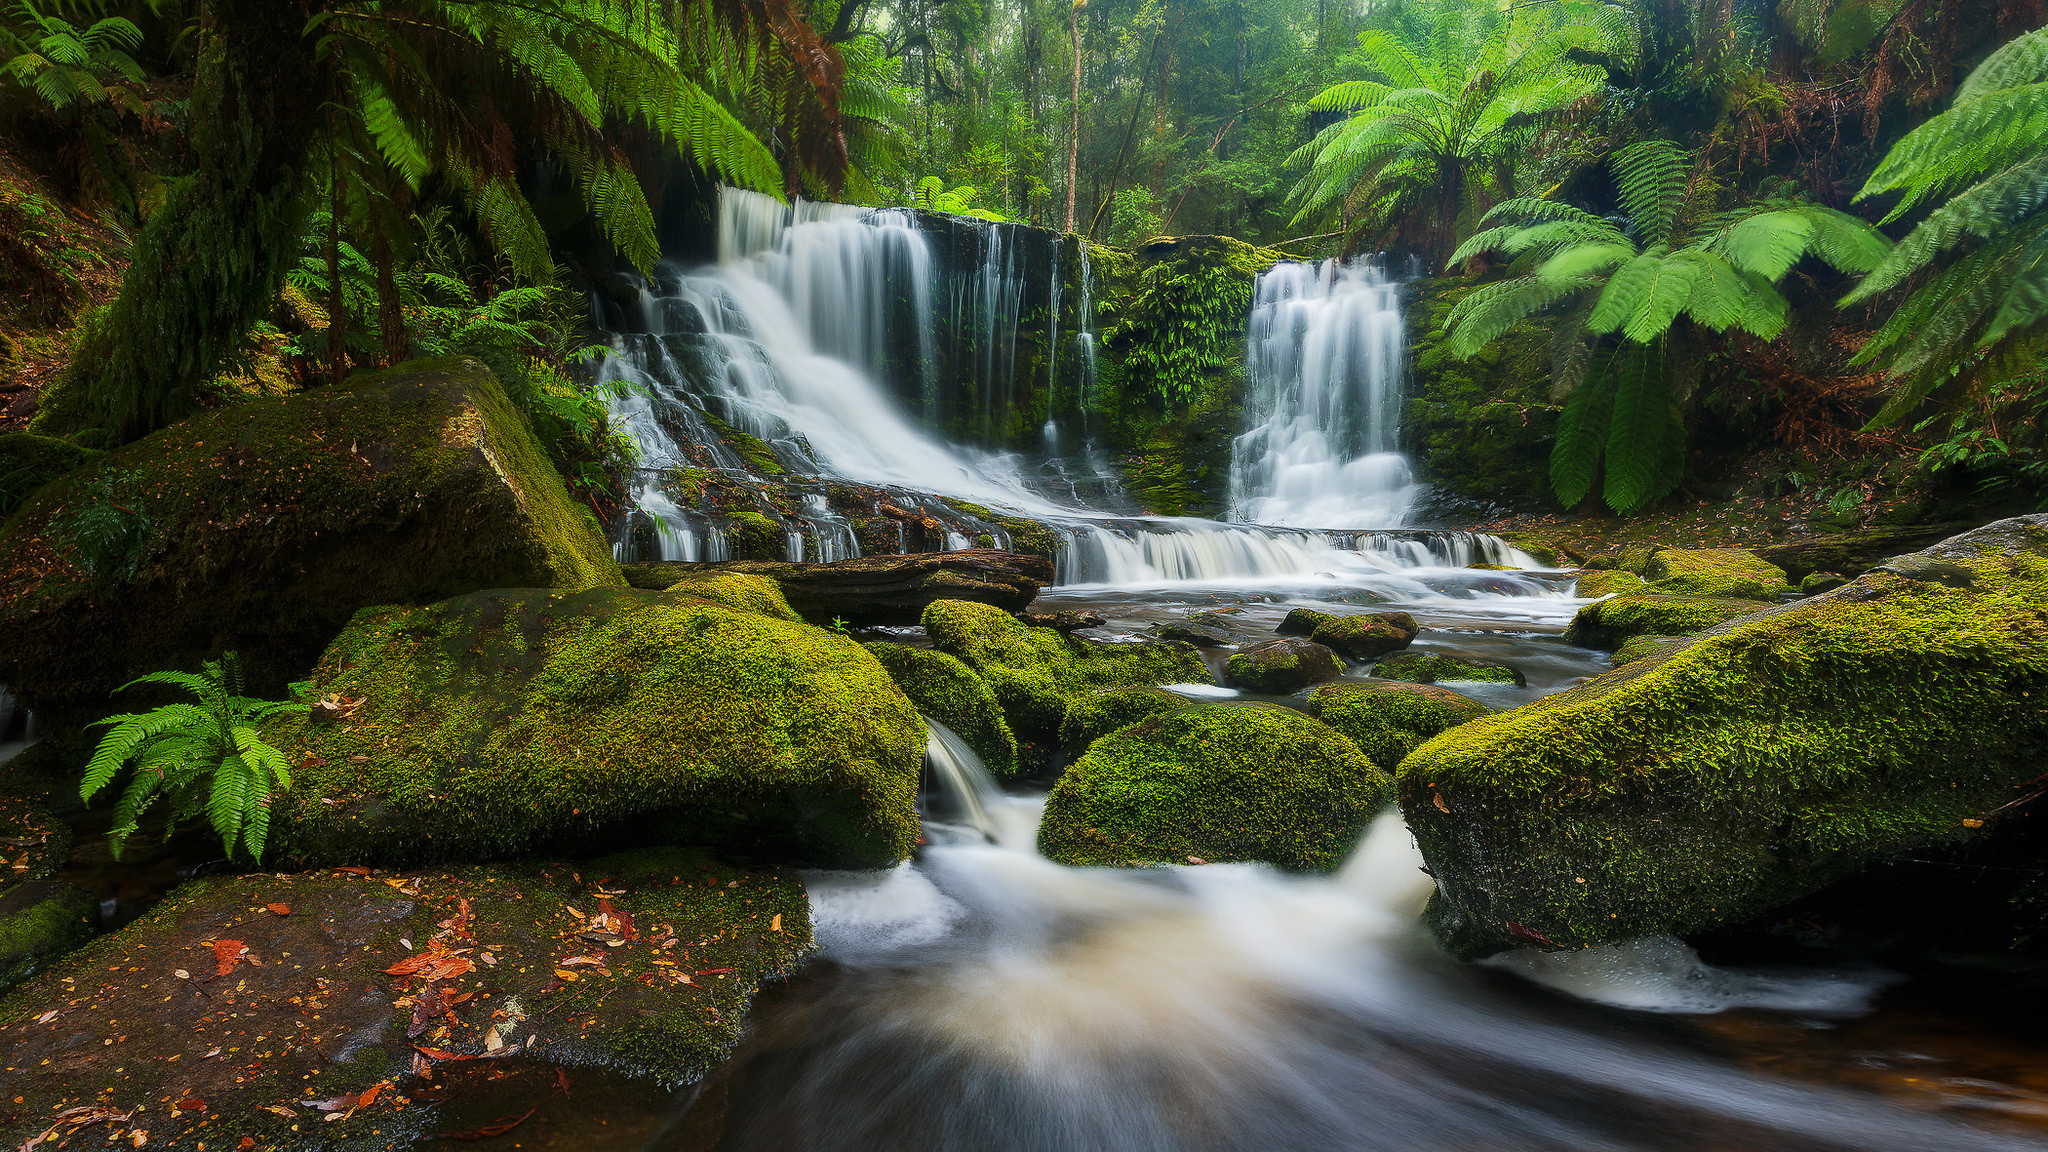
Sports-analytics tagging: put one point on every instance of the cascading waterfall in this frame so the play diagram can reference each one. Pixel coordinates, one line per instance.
(810, 307)
(1322, 413)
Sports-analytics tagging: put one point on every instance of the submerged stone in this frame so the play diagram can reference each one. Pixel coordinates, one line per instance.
(948, 691)
(1430, 667)
(1280, 667)
(508, 723)
(1608, 623)
(1365, 636)
(1388, 720)
(264, 525)
(1216, 783)
(1750, 765)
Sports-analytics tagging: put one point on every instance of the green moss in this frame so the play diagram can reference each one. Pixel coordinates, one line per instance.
(1612, 581)
(29, 462)
(1480, 427)
(740, 591)
(1758, 762)
(751, 448)
(1734, 573)
(1280, 667)
(1096, 714)
(1218, 783)
(1030, 536)
(949, 692)
(263, 526)
(1388, 721)
(1608, 623)
(1814, 583)
(41, 920)
(1429, 667)
(1037, 673)
(1639, 647)
(1366, 636)
(1303, 621)
(756, 537)
(512, 722)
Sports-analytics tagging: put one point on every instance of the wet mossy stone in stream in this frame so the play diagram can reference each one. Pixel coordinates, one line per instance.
(1430, 667)
(1730, 573)
(949, 692)
(509, 723)
(264, 525)
(1610, 582)
(1752, 764)
(1280, 667)
(1387, 720)
(1095, 714)
(1223, 782)
(314, 1012)
(1639, 647)
(1609, 623)
(1038, 673)
(1366, 635)
(1303, 621)
(1188, 632)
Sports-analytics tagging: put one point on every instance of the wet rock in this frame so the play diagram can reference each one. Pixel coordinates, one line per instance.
(1095, 714)
(1279, 667)
(1389, 720)
(264, 525)
(1761, 760)
(1063, 621)
(507, 723)
(240, 1003)
(1200, 635)
(1215, 783)
(879, 590)
(1609, 582)
(1038, 673)
(948, 691)
(1303, 621)
(1729, 573)
(1367, 635)
(1608, 623)
(1853, 552)
(1430, 667)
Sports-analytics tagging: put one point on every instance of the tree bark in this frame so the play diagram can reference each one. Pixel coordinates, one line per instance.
(337, 301)
(1074, 126)
(390, 309)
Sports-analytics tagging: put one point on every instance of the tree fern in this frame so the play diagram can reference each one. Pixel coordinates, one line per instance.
(1644, 435)
(1650, 178)
(1581, 440)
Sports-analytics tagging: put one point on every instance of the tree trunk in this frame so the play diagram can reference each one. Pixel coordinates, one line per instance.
(210, 262)
(1074, 126)
(337, 301)
(390, 310)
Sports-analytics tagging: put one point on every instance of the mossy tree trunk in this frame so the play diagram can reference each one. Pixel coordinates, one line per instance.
(210, 262)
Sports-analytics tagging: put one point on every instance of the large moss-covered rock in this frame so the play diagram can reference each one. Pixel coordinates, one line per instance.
(1430, 667)
(1038, 673)
(1280, 667)
(1639, 647)
(1096, 714)
(1610, 582)
(521, 956)
(1388, 720)
(949, 692)
(1216, 783)
(1730, 573)
(1609, 623)
(872, 590)
(1759, 761)
(41, 920)
(263, 526)
(28, 462)
(1366, 635)
(507, 723)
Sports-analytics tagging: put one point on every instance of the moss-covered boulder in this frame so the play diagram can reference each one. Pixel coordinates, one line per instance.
(41, 920)
(242, 999)
(1815, 583)
(1303, 621)
(263, 526)
(1279, 667)
(1430, 667)
(1096, 714)
(1189, 632)
(1366, 635)
(1610, 582)
(1755, 763)
(509, 723)
(1215, 783)
(949, 692)
(1609, 623)
(1730, 573)
(1038, 673)
(1638, 647)
(28, 462)
(1388, 720)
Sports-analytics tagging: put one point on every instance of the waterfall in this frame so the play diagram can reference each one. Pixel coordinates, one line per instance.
(1323, 404)
(812, 309)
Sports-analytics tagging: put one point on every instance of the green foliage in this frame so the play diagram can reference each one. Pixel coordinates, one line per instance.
(1980, 258)
(109, 527)
(1185, 321)
(206, 756)
(65, 64)
(932, 194)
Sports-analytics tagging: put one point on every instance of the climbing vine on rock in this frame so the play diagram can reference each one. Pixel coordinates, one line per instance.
(1185, 321)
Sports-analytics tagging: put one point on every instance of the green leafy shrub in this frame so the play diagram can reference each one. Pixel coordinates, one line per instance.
(202, 757)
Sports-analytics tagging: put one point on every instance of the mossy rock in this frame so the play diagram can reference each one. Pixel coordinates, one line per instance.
(1755, 763)
(512, 723)
(1280, 667)
(1096, 714)
(1610, 623)
(1303, 621)
(1430, 667)
(41, 920)
(949, 692)
(1217, 783)
(1388, 720)
(1815, 583)
(1200, 635)
(1640, 647)
(1038, 673)
(1610, 582)
(291, 1021)
(263, 526)
(1368, 635)
(28, 462)
(756, 537)
(1730, 573)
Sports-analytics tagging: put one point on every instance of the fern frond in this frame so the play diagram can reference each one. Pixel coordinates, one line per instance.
(1644, 434)
(2021, 60)
(1651, 179)
(1488, 312)
(1581, 439)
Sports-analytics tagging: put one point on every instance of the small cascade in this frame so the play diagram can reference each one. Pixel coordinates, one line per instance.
(985, 308)
(1322, 413)
(965, 794)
